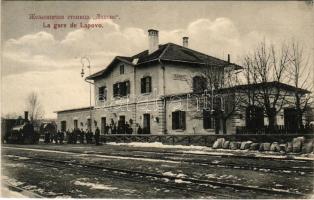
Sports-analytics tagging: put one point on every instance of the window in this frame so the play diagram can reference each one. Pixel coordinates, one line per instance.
(75, 124)
(102, 93)
(178, 120)
(121, 69)
(63, 125)
(207, 119)
(146, 84)
(199, 84)
(121, 89)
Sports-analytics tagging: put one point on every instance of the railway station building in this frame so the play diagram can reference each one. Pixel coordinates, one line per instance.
(160, 90)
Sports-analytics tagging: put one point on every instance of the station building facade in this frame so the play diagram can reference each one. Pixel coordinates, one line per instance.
(153, 90)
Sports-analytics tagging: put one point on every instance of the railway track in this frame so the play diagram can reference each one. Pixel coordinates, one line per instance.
(181, 157)
(104, 172)
(24, 192)
(133, 175)
(209, 163)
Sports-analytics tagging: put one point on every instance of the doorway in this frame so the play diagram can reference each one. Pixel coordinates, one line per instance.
(103, 125)
(146, 123)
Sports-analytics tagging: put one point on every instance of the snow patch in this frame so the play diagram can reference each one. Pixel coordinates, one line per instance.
(215, 153)
(6, 193)
(13, 164)
(96, 186)
(11, 181)
(169, 174)
(19, 157)
(181, 181)
(210, 175)
(158, 145)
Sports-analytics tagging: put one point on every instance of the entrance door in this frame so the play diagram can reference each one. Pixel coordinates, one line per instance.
(103, 125)
(291, 123)
(254, 117)
(121, 125)
(146, 123)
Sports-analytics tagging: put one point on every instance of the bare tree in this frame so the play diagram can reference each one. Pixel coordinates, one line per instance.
(218, 95)
(268, 64)
(300, 74)
(34, 107)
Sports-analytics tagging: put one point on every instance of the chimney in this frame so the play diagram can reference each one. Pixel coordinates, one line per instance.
(228, 58)
(186, 42)
(26, 115)
(153, 40)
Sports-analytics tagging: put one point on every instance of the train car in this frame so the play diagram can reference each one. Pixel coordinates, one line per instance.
(22, 132)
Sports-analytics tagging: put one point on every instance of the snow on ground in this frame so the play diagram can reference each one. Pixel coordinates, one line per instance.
(96, 155)
(6, 193)
(169, 174)
(159, 145)
(209, 151)
(14, 156)
(180, 175)
(11, 181)
(181, 181)
(13, 164)
(96, 186)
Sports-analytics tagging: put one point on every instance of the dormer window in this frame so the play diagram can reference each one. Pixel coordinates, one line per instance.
(121, 69)
(146, 84)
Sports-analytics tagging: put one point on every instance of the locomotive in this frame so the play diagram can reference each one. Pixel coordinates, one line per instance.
(22, 132)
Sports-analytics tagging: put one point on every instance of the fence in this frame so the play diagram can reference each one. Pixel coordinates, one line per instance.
(278, 129)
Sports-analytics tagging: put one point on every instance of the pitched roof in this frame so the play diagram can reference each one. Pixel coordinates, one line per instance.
(75, 109)
(273, 84)
(168, 52)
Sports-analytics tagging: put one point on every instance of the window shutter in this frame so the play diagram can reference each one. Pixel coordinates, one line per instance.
(128, 87)
(142, 85)
(174, 116)
(114, 90)
(105, 93)
(150, 84)
(183, 125)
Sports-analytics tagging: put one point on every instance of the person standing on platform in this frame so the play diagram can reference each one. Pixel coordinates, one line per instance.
(61, 137)
(97, 136)
(81, 136)
(139, 130)
(75, 133)
(47, 137)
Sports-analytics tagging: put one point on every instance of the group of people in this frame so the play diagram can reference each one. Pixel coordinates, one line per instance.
(121, 128)
(77, 135)
(57, 137)
(73, 137)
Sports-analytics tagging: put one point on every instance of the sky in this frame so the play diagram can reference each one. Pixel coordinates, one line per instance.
(47, 60)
